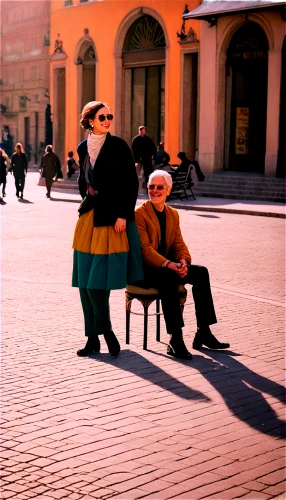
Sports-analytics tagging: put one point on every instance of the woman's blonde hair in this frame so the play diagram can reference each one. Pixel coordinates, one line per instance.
(49, 149)
(89, 111)
(19, 145)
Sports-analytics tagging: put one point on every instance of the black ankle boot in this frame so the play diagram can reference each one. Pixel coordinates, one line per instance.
(177, 348)
(112, 343)
(205, 337)
(91, 347)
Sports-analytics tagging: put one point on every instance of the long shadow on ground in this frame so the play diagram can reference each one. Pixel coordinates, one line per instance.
(241, 388)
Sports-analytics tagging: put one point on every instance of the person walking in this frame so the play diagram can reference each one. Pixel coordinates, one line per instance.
(144, 150)
(50, 166)
(3, 171)
(19, 168)
(167, 263)
(106, 243)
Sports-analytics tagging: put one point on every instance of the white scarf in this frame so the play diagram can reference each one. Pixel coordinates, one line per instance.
(94, 145)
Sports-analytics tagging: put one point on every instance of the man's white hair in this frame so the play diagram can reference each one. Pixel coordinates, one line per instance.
(161, 173)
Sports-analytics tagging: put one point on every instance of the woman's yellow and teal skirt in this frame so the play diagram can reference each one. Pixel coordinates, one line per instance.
(103, 258)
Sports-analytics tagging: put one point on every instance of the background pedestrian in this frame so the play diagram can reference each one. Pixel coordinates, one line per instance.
(144, 150)
(3, 171)
(51, 167)
(19, 168)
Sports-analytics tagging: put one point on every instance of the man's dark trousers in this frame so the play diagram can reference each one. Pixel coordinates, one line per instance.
(166, 281)
(147, 167)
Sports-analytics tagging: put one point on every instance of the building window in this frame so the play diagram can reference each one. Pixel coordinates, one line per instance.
(21, 75)
(22, 102)
(68, 2)
(35, 73)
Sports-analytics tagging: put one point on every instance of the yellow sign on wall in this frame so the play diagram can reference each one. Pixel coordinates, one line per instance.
(241, 131)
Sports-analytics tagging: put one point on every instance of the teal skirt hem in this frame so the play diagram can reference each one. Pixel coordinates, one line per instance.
(109, 272)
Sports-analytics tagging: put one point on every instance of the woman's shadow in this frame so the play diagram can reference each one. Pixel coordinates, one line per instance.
(133, 362)
(243, 391)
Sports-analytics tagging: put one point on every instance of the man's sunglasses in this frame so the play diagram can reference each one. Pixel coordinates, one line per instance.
(160, 187)
(102, 118)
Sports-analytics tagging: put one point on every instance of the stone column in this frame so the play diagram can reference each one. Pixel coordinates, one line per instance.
(273, 102)
(207, 106)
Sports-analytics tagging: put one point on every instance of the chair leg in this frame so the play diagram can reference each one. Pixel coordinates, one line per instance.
(185, 191)
(192, 194)
(145, 327)
(127, 327)
(158, 320)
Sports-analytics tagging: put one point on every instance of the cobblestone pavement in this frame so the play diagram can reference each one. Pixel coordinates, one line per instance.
(142, 425)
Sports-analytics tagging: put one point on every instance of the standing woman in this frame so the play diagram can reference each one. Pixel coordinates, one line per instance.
(3, 171)
(51, 166)
(19, 167)
(107, 253)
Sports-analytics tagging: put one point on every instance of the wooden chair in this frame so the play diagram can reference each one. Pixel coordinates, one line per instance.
(181, 183)
(146, 296)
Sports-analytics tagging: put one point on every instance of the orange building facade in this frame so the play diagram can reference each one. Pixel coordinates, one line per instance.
(140, 59)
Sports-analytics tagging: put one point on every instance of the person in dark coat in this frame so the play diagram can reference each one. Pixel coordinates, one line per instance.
(51, 167)
(19, 168)
(107, 253)
(144, 150)
(184, 165)
(3, 171)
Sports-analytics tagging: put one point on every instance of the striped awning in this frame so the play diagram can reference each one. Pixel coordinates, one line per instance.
(211, 8)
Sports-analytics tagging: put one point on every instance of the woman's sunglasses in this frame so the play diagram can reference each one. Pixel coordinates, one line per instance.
(160, 187)
(102, 118)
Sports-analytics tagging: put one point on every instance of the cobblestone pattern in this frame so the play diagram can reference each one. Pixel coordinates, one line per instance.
(142, 425)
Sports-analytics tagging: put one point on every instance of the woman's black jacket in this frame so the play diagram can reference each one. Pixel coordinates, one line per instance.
(114, 180)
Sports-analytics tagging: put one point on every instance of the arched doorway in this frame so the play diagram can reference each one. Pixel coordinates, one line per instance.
(246, 99)
(88, 76)
(144, 79)
(86, 63)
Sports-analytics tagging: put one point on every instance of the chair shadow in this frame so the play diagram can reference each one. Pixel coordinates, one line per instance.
(242, 390)
(133, 362)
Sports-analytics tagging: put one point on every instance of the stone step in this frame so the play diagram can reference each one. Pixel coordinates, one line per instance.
(245, 187)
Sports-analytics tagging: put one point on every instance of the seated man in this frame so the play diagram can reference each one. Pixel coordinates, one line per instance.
(167, 262)
(162, 158)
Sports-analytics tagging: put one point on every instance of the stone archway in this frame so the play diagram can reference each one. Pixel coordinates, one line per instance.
(140, 75)
(86, 75)
(246, 99)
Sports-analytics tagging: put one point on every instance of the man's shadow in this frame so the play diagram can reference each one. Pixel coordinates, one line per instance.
(133, 362)
(242, 390)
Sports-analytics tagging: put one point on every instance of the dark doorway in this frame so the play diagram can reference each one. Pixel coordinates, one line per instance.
(247, 63)
(190, 97)
(27, 130)
(281, 164)
(144, 79)
(60, 112)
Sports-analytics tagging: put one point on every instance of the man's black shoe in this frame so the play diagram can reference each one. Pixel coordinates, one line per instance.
(205, 337)
(177, 348)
